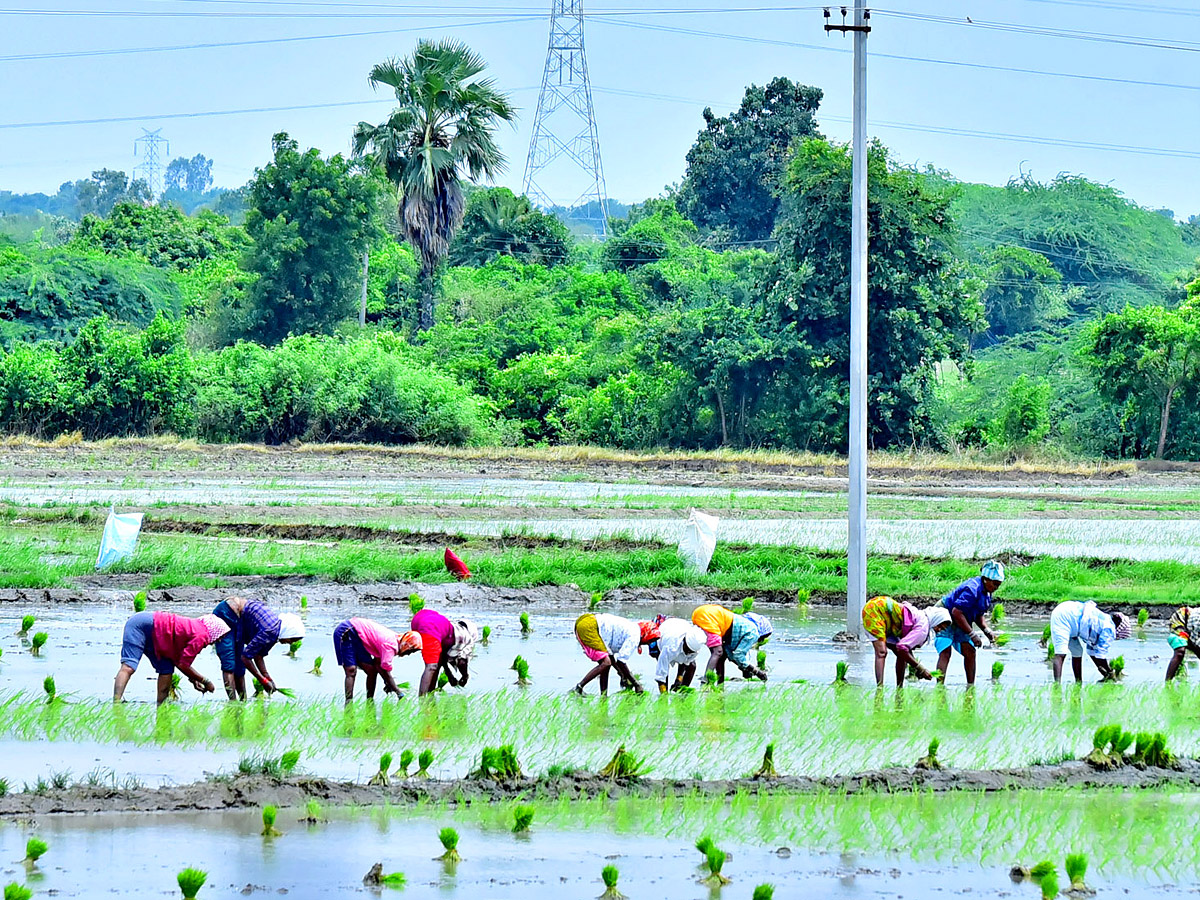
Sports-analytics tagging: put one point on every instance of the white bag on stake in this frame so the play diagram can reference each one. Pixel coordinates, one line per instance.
(119, 539)
(699, 541)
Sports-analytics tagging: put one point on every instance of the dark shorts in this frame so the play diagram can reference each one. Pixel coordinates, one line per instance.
(226, 648)
(348, 647)
(138, 641)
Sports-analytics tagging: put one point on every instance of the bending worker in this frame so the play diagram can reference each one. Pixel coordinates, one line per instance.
(901, 627)
(170, 642)
(968, 604)
(610, 642)
(679, 644)
(1074, 626)
(731, 635)
(1181, 635)
(439, 640)
(254, 628)
(367, 645)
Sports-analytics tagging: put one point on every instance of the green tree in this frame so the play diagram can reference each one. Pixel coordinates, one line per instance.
(104, 190)
(736, 165)
(498, 223)
(919, 312)
(163, 236)
(444, 124)
(1025, 419)
(1020, 290)
(1147, 354)
(192, 175)
(310, 220)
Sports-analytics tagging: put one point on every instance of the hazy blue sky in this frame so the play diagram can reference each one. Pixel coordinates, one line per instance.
(631, 55)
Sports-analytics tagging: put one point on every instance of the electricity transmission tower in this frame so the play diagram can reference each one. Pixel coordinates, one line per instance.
(565, 123)
(151, 167)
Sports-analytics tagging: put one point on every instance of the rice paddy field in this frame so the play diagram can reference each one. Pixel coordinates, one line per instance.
(125, 796)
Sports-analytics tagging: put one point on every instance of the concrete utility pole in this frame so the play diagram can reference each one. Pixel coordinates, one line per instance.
(856, 553)
(362, 307)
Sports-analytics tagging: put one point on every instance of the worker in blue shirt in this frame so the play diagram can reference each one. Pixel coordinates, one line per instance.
(968, 605)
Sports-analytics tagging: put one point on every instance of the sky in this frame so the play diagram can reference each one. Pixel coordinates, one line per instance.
(1114, 91)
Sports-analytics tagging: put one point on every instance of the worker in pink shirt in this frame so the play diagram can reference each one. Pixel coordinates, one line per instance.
(170, 642)
(367, 645)
(440, 648)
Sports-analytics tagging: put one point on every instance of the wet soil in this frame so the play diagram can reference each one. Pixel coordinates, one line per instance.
(251, 791)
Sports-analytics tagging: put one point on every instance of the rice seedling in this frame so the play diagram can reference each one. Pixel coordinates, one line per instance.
(1002, 640)
(289, 760)
(16, 891)
(139, 602)
(521, 667)
(522, 819)
(316, 669)
(1143, 617)
(449, 839)
(1118, 668)
(710, 679)
(997, 670)
(35, 849)
(176, 681)
(26, 624)
(1041, 870)
(406, 760)
(998, 614)
(594, 603)
(484, 634)
(1151, 750)
(50, 689)
(1045, 636)
(498, 764)
(1076, 865)
(38, 642)
(930, 760)
(704, 843)
(767, 769)
(747, 605)
(443, 681)
(314, 813)
(383, 777)
(609, 875)
(526, 629)
(762, 660)
(1049, 886)
(415, 604)
(1109, 743)
(841, 671)
(393, 880)
(1, 652)
(714, 859)
(294, 648)
(764, 892)
(624, 765)
(269, 815)
(424, 761)
(303, 602)
(3, 787)
(190, 881)
(1050, 650)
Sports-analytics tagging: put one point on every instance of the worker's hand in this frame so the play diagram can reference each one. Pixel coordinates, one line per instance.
(924, 674)
(976, 638)
(578, 689)
(203, 685)
(269, 686)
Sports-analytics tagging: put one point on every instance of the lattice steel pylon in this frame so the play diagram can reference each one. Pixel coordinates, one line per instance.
(566, 89)
(151, 165)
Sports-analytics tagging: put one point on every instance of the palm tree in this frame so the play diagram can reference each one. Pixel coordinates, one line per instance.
(445, 123)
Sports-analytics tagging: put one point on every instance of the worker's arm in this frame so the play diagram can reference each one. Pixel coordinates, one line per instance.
(389, 683)
(907, 657)
(258, 668)
(981, 621)
(461, 679)
(959, 618)
(627, 676)
(199, 682)
(1103, 667)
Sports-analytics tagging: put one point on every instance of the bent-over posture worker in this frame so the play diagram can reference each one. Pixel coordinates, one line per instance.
(968, 605)
(898, 626)
(170, 642)
(254, 628)
(732, 636)
(1075, 626)
(367, 645)
(610, 642)
(446, 646)
(679, 644)
(1181, 636)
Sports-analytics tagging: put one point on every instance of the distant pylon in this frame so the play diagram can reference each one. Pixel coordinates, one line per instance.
(566, 88)
(151, 166)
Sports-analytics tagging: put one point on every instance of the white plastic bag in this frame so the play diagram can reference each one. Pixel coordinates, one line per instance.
(119, 539)
(699, 541)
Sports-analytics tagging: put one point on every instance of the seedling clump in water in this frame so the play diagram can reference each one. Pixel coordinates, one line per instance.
(485, 634)
(997, 670)
(930, 761)
(316, 669)
(747, 605)
(424, 761)
(1045, 637)
(190, 881)
(289, 760)
(139, 602)
(35, 849)
(715, 860)
(415, 604)
(1077, 871)
(522, 819)
(843, 668)
(269, 814)
(704, 843)
(38, 642)
(26, 624)
(382, 777)
(762, 660)
(764, 892)
(313, 813)
(1143, 617)
(609, 875)
(521, 667)
(406, 760)
(498, 764)
(767, 769)
(526, 629)
(293, 648)
(1118, 668)
(16, 891)
(449, 839)
(49, 687)
(594, 603)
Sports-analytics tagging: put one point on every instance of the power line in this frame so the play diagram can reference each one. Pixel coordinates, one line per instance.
(1125, 7)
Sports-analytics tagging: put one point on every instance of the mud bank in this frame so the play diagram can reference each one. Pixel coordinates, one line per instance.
(246, 792)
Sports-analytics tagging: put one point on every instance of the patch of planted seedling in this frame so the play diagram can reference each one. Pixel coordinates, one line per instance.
(1077, 865)
(930, 760)
(406, 760)
(521, 667)
(997, 670)
(624, 766)
(526, 628)
(1118, 668)
(485, 634)
(382, 777)
(1111, 745)
(840, 672)
(139, 602)
(609, 875)
(1143, 617)
(269, 815)
(424, 761)
(38, 642)
(26, 624)
(35, 849)
(767, 769)
(190, 881)
(314, 814)
(449, 839)
(316, 669)
(764, 892)
(294, 648)
(522, 819)
(415, 604)
(498, 764)
(714, 861)
(16, 891)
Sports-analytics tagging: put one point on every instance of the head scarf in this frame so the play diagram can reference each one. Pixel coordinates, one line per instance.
(455, 566)
(466, 636)
(650, 633)
(993, 570)
(408, 642)
(217, 629)
(761, 624)
(1121, 622)
(660, 618)
(290, 627)
(938, 616)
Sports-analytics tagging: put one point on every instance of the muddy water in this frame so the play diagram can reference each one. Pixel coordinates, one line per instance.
(122, 855)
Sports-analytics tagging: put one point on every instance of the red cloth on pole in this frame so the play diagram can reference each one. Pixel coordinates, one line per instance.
(456, 566)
